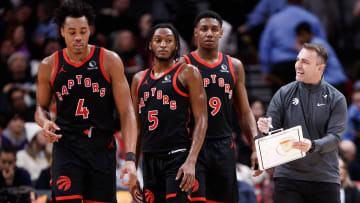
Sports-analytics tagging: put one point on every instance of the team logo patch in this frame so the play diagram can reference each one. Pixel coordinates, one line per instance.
(167, 79)
(63, 183)
(224, 68)
(195, 187)
(92, 65)
(295, 101)
(149, 196)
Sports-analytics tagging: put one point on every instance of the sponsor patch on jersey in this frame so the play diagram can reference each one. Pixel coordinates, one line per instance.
(167, 79)
(92, 65)
(224, 68)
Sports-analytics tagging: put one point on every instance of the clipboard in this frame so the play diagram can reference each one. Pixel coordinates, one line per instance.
(275, 149)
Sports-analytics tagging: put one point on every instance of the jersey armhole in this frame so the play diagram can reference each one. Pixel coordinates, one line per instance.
(187, 59)
(55, 68)
(142, 78)
(102, 65)
(177, 89)
(231, 68)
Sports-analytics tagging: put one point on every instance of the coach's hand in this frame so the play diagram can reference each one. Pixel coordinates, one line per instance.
(136, 193)
(129, 169)
(188, 171)
(304, 145)
(49, 128)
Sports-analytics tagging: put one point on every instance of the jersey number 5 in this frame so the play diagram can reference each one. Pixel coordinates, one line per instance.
(81, 110)
(152, 117)
(215, 103)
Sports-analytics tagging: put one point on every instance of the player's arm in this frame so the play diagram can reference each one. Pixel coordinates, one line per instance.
(43, 99)
(135, 82)
(115, 69)
(136, 191)
(245, 116)
(192, 81)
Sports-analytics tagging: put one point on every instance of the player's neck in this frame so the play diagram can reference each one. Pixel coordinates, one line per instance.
(207, 54)
(162, 66)
(78, 57)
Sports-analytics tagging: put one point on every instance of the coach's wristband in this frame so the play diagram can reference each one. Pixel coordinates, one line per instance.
(312, 148)
(130, 156)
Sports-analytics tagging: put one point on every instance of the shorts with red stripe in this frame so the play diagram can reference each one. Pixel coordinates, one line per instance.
(216, 173)
(159, 173)
(84, 168)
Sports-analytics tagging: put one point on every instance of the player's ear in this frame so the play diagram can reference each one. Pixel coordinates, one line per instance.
(196, 32)
(149, 46)
(62, 31)
(221, 32)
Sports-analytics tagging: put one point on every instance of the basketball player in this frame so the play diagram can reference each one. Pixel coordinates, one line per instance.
(224, 82)
(166, 95)
(88, 82)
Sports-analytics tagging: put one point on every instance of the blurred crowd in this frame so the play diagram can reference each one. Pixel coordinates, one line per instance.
(264, 32)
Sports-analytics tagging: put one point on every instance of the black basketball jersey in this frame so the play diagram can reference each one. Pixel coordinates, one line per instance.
(83, 92)
(164, 110)
(218, 80)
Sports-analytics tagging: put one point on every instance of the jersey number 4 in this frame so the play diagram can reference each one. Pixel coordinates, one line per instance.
(81, 110)
(215, 103)
(152, 117)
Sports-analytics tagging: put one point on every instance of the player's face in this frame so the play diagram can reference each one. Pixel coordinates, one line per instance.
(163, 44)
(76, 33)
(307, 67)
(208, 31)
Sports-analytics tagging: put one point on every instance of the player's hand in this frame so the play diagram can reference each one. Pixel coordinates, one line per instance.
(49, 129)
(257, 173)
(136, 193)
(188, 171)
(304, 145)
(129, 169)
(263, 124)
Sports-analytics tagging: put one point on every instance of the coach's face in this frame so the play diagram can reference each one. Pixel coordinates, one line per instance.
(208, 31)
(163, 44)
(76, 33)
(308, 67)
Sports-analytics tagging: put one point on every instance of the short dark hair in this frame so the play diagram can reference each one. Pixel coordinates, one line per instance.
(173, 30)
(9, 149)
(75, 9)
(208, 14)
(320, 50)
(303, 27)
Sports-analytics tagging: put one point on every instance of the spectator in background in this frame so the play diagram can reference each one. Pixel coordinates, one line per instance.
(19, 40)
(17, 97)
(262, 11)
(352, 132)
(11, 175)
(45, 28)
(125, 46)
(37, 154)
(144, 27)
(117, 17)
(348, 150)
(334, 73)
(348, 191)
(277, 53)
(19, 71)
(14, 135)
(6, 50)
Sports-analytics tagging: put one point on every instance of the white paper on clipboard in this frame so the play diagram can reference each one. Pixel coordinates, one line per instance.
(275, 149)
